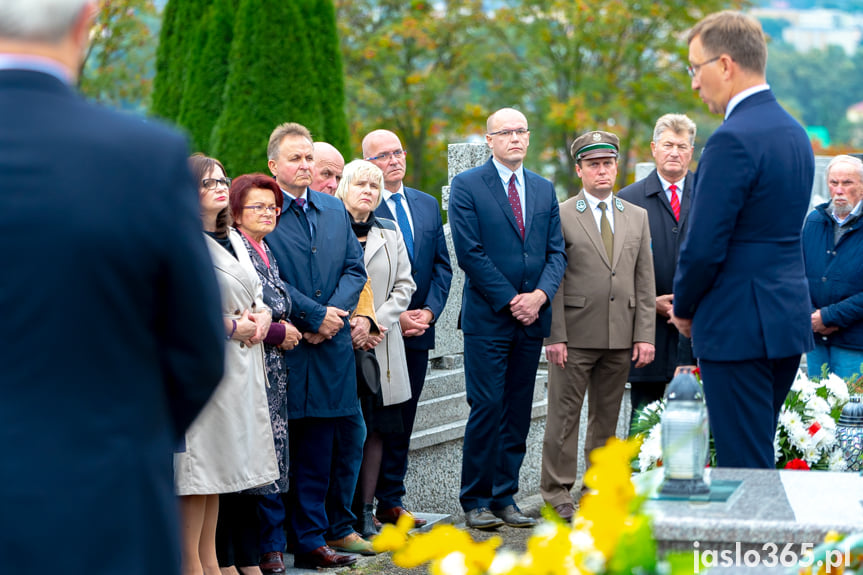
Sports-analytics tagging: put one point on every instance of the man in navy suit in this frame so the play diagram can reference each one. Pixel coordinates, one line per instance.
(665, 193)
(321, 260)
(740, 287)
(507, 237)
(112, 334)
(417, 215)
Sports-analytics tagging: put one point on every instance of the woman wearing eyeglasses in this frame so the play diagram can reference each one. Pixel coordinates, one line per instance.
(229, 447)
(256, 204)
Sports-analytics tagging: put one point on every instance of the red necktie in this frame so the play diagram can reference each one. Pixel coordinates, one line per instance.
(512, 194)
(675, 201)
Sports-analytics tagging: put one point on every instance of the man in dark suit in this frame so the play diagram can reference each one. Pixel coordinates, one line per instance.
(740, 286)
(665, 193)
(506, 232)
(113, 339)
(322, 262)
(418, 217)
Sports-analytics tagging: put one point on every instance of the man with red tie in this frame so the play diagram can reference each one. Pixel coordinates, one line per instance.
(665, 194)
(506, 232)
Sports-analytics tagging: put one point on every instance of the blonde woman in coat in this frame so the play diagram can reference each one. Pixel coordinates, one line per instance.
(230, 446)
(389, 270)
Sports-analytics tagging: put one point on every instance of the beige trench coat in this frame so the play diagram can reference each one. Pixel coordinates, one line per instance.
(230, 445)
(389, 269)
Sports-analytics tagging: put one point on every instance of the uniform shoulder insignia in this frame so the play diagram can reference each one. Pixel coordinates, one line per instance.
(580, 205)
(618, 204)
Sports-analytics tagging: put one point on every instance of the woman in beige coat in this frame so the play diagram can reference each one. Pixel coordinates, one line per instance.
(389, 270)
(230, 446)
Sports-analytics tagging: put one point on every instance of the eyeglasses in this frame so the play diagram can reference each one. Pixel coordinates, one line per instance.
(387, 155)
(211, 183)
(693, 68)
(669, 146)
(508, 133)
(259, 209)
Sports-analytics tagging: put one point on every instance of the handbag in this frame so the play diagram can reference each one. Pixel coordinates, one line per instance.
(368, 373)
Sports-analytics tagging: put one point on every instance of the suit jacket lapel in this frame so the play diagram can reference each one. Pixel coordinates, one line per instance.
(374, 242)
(495, 189)
(621, 226)
(588, 222)
(224, 261)
(529, 203)
(686, 199)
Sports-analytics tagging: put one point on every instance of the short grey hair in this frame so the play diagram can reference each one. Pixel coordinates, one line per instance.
(39, 20)
(281, 132)
(677, 123)
(357, 169)
(845, 159)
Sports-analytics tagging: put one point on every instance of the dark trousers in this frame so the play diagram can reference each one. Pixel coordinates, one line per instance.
(237, 540)
(743, 403)
(394, 464)
(500, 373)
(313, 455)
(272, 515)
(344, 473)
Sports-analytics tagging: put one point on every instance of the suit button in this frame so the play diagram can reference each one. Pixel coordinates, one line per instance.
(302, 315)
(242, 345)
(524, 254)
(674, 230)
(824, 279)
(612, 298)
(236, 312)
(613, 273)
(314, 249)
(824, 337)
(317, 293)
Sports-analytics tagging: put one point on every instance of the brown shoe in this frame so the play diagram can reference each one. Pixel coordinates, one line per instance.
(392, 516)
(565, 510)
(272, 562)
(322, 558)
(352, 543)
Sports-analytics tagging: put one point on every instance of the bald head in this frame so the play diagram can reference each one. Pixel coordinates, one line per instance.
(329, 165)
(384, 149)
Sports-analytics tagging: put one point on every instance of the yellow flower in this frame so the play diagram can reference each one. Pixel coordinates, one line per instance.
(832, 537)
(440, 542)
(393, 537)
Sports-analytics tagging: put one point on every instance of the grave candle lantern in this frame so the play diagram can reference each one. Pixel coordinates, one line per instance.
(849, 432)
(685, 438)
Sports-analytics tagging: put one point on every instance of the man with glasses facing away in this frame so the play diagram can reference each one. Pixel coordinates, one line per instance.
(740, 287)
(507, 236)
(418, 217)
(665, 194)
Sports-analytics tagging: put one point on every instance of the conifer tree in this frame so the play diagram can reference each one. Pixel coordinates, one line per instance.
(208, 72)
(270, 81)
(180, 22)
(320, 20)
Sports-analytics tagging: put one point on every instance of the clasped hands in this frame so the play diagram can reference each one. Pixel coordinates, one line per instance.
(330, 326)
(525, 306)
(252, 328)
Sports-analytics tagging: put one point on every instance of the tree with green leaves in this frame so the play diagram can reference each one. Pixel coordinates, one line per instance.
(412, 71)
(117, 69)
(270, 81)
(615, 65)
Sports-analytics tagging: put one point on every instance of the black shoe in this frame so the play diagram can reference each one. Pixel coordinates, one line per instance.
(482, 518)
(322, 558)
(366, 522)
(513, 517)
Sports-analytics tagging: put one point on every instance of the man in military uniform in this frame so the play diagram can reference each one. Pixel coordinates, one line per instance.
(603, 315)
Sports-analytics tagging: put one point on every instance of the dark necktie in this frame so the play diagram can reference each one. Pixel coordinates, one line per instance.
(512, 194)
(605, 232)
(404, 224)
(301, 214)
(675, 201)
